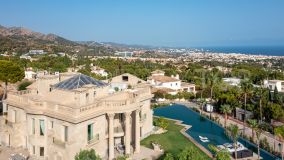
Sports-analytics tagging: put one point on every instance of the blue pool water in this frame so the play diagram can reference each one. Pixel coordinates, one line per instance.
(204, 127)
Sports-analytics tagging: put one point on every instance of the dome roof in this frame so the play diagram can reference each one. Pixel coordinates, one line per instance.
(78, 81)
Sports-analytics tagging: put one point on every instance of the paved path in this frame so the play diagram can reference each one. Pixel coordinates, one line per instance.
(273, 142)
(147, 154)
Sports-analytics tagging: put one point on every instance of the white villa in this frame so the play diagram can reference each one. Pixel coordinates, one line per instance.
(99, 71)
(59, 115)
(232, 81)
(171, 85)
(271, 84)
(30, 75)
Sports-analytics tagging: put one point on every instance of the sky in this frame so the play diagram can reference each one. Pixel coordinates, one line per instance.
(173, 23)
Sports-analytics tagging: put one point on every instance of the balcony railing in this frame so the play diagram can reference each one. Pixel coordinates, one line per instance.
(94, 140)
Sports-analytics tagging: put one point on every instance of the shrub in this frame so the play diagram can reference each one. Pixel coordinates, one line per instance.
(24, 85)
(87, 155)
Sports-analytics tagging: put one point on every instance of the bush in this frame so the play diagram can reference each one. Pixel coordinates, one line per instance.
(264, 144)
(168, 156)
(161, 122)
(159, 105)
(87, 155)
(24, 85)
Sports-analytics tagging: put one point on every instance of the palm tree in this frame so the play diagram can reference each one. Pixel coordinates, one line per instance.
(279, 132)
(258, 132)
(247, 88)
(212, 81)
(203, 102)
(260, 92)
(233, 133)
(226, 109)
(253, 125)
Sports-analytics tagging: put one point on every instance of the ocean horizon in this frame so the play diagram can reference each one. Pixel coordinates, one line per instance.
(253, 50)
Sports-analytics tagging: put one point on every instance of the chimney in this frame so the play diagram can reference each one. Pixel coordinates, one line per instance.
(177, 76)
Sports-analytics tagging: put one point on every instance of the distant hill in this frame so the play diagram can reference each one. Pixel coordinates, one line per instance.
(21, 40)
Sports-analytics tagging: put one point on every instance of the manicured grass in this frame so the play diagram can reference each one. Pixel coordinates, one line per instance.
(172, 141)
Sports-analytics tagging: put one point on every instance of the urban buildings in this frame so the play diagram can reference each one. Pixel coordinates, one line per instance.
(59, 115)
(124, 54)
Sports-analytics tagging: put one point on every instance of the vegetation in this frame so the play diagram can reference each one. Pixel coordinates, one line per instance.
(24, 85)
(174, 142)
(9, 73)
(161, 122)
(87, 155)
(158, 105)
(222, 154)
(226, 109)
(233, 132)
(279, 132)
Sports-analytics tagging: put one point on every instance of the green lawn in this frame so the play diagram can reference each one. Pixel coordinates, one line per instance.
(172, 141)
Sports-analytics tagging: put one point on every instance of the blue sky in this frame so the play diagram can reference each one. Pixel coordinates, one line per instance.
(153, 22)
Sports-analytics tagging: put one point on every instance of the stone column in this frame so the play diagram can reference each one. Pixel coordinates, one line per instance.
(110, 136)
(137, 131)
(127, 132)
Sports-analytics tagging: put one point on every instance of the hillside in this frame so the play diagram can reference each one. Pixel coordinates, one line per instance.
(21, 40)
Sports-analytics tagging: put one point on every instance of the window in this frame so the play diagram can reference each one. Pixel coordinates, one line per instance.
(65, 133)
(33, 149)
(90, 132)
(41, 151)
(41, 127)
(33, 126)
(94, 93)
(125, 78)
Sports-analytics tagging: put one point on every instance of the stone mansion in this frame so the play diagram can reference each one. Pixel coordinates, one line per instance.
(59, 115)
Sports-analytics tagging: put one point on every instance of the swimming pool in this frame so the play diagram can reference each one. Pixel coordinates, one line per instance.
(204, 127)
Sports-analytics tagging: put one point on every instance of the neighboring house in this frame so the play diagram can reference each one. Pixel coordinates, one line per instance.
(271, 84)
(59, 115)
(99, 71)
(30, 75)
(36, 52)
(25, 57)
(232, 81)
(124, 81)
(241, 114)
(172, 85)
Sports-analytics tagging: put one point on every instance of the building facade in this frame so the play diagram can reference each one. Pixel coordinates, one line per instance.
(271, 84)
(59, 115)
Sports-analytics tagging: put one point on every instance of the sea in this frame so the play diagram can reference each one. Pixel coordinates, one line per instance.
(259, 50)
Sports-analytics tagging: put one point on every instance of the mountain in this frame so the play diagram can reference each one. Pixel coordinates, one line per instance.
(21, 40)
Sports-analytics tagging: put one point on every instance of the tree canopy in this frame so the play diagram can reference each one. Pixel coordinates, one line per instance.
(10, 72)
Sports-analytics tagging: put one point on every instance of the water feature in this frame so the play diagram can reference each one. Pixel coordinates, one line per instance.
(204, 127)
